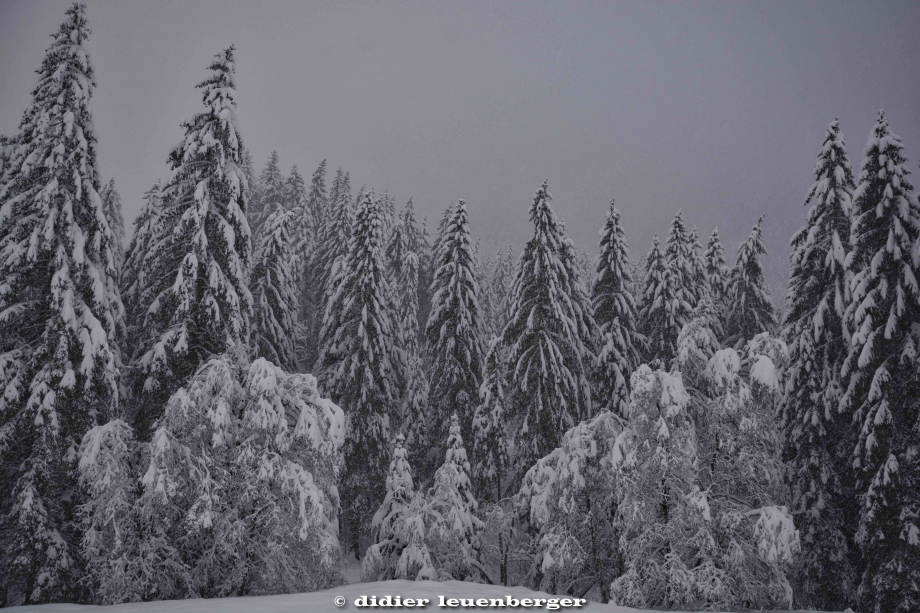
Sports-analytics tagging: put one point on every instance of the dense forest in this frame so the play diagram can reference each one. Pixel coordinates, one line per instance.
(277, 373)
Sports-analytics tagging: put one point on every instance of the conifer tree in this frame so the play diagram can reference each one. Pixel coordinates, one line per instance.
(399, 550)
(317, 200)
(135, 279)
(111, 206)
(818, 437)
(452, 538)
(303, 226)
(682, 269)
(454, 330)
(270, 197)
(661, 306)
(273, 285)
(716, 270)
(615, 314)
(549, 339)
(699, 282)
(880, 369)
(252, 181)
(201, 305)
(333, 232)
(490, 443)
(355, 369)
(61, 310)
(750, 309)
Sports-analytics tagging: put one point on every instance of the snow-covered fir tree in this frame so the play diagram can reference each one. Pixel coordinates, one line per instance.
(699, 282)
(662, 306)
(883, 382)
(399, 550)
(273, 283)
(615, 314)
(355, 366)
(454, 332)
(818, 437)
(549, 338)
(567, 503)
(681, 263)
(333, 230)
(111, 206)
(201, 305)
(453, 534)
(490, 436)
(318, 200)
(60, 313)
(235, 494)
(750, 308)
(716, 272)
(270, 196)
(135, 279)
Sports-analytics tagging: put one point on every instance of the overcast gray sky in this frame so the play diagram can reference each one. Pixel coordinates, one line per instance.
(716, 108)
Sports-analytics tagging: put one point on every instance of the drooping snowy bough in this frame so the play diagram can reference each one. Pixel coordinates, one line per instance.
(235, 494)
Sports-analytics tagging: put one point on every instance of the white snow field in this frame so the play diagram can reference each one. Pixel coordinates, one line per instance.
(324, 601)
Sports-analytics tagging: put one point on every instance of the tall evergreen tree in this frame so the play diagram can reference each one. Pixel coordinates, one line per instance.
(700, 283)
(317, 200)
(661, 306)
(549, 339)
(682, 269)
(355, 369)
(716, 270)
(201, 304)
(490, 442)
(111, 206)
(454, 331)
(270, 196)
(750, 309)
(135, 275)
(273, 284)
(818, 437)
(615, 314)
(882, 376)
(60, 310)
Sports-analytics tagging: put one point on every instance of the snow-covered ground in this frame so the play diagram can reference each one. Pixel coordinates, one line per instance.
(324, 602)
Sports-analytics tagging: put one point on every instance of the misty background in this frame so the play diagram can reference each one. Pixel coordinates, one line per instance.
(715, 108)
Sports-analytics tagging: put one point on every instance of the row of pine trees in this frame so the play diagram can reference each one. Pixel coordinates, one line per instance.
(428, 342)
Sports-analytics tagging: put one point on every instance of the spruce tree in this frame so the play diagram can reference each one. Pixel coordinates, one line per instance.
(111, 206)
(661, 306)
(273, 284)
(403, 273)
(615, 314)
(201, 305)
(135, 275)
(399, 550)
(818, 438)
(750, 309)
(716, 271)
(883, 382)
(270, 196)
(356, 372)
(454, 330)
(453, 537)
(699, 282)
(682, 269)
(490, 442)
(317, 200)
(549, 339)
(332, 236)
(60, 305)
